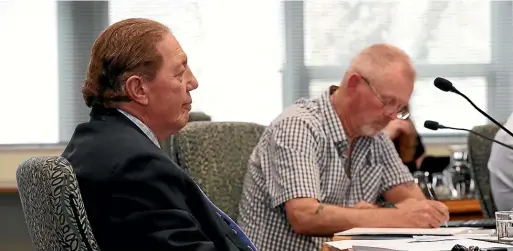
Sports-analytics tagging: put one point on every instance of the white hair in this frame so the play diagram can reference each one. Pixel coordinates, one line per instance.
(375, 60)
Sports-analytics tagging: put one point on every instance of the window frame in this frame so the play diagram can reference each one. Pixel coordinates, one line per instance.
(70, 66)
(297, 75)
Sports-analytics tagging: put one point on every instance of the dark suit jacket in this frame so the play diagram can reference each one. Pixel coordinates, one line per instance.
(136, 198)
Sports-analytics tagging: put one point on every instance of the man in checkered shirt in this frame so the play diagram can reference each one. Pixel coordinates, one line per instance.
(320, 167)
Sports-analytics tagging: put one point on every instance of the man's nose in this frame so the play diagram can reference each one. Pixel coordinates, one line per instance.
(391, 114)
(192, 84)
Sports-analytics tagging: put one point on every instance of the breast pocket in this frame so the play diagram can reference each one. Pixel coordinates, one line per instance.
(333, 181)
(370, 181)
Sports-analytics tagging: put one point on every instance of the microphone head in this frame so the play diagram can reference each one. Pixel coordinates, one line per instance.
(443, 84)
(432, 125)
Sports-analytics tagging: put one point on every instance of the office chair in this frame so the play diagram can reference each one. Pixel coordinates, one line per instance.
(52, 205)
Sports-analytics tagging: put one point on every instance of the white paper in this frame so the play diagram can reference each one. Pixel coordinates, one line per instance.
(410, 245)
(348, 244)
(405, 231)
(480, 234)
(434, 238)
(438, 245)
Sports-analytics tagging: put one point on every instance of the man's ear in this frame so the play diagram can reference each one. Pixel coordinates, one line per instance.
(137, 90)
(352, 82)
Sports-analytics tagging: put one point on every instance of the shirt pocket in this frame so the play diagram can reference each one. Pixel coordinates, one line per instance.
(333, 181)
(370, 179)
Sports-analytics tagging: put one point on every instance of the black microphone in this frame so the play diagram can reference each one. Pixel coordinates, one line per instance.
(433, 125)
(446, 86)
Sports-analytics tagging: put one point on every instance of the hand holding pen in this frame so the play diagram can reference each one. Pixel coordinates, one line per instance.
(414, 213)
(432, 197)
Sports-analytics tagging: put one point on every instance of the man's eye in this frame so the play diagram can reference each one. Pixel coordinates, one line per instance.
(180, 74)
(388, 102)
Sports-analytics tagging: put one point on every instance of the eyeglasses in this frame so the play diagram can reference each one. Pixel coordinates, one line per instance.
(389, 106)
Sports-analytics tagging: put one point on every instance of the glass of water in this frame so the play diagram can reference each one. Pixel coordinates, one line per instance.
(504, 221)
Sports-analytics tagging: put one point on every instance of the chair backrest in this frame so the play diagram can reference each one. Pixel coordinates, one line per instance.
(216, 156)
(479, 150)
(167, 144)
(53, 207)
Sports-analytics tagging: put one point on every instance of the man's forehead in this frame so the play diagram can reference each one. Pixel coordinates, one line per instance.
(170, 48)
(178, 51)
(400, 93)
(397, 88)
(179, 55)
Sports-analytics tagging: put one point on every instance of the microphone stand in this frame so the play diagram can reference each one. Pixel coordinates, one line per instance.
(482, 112)
(480, 135)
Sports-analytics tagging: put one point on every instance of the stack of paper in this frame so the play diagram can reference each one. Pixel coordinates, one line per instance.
(405, 231)
(412, 244)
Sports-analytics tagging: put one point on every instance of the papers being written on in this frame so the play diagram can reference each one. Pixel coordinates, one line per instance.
(405, 231)
(428, 238)
(410, 244)
(480, 234)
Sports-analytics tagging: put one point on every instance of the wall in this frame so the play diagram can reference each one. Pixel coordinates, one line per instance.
(11, 158)
(13, 231)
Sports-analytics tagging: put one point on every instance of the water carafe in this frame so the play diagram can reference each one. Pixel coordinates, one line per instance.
(458, 171)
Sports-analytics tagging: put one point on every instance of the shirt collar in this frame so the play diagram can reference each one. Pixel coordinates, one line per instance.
(149, 133)
(332, 125)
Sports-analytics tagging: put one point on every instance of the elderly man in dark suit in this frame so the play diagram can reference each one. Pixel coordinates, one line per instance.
(138, 85)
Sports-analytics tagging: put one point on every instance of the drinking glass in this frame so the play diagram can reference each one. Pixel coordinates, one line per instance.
(441, 186)
(504, 221)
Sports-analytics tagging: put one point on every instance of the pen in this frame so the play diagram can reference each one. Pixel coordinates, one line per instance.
(432, 195)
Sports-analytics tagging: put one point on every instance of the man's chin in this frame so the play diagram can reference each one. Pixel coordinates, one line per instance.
(185, 118)
(368, 130)
(181, 121)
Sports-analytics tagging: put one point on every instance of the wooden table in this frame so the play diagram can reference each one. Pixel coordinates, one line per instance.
(326, 247)
(8, 187)
(464, 209)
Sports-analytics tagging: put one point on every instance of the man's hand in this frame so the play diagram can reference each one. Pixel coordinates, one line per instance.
(397, 127)
(422, 213)
(364, 205)
(407, 202)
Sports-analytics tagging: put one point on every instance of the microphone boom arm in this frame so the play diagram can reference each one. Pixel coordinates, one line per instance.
(486, 115)
(480, 135)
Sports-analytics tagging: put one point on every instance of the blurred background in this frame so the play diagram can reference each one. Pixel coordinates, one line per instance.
(251, 58)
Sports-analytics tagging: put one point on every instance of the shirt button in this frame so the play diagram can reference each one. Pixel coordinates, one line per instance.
(234, 231)
(249, 248)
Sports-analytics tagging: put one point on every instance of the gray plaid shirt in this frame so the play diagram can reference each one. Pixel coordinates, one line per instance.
(301, 155)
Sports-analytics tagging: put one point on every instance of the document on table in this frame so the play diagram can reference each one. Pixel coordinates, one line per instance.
(405, 231)
(410, 244)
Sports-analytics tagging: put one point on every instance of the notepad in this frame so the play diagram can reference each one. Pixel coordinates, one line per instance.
(405, 231)
(410, 245)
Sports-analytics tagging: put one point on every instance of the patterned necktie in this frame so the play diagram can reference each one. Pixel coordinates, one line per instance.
(235, 228)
